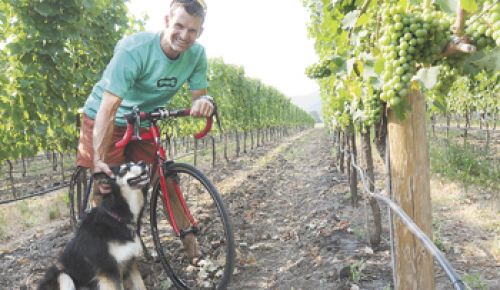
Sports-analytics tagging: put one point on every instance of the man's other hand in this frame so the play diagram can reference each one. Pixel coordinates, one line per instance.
(202, 107)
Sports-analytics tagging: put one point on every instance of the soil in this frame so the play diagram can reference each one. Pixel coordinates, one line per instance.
(294, 226)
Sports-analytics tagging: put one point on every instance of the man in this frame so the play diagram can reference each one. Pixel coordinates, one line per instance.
(147, 69)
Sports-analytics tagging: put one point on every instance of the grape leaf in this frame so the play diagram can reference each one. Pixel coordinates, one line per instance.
(362, 20)
(338, 64)
(46, 9)
(483, 60)
(491, 61)
(448, 6)
(440, 104)
(469, 5)
(349, 20)
(427, 77)
(379, 65)
(403, 3)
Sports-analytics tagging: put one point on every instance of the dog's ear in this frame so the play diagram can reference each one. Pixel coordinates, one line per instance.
(116, 170)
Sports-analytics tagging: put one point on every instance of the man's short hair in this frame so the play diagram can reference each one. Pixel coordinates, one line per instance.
(192, 7)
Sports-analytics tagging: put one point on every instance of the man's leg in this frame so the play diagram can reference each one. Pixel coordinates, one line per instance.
(189, 241)
(84, 155)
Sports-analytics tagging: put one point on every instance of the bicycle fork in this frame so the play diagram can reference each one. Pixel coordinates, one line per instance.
(86, 197)
(167, 202)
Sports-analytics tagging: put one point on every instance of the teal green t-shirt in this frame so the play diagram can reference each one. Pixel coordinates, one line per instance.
(142, 75)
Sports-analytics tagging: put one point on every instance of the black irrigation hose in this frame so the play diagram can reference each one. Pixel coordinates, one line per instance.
(42, 192)
(455, 279)
(443, 262)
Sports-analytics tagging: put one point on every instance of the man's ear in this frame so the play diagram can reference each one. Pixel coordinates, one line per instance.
(201, 31)
(167, 20)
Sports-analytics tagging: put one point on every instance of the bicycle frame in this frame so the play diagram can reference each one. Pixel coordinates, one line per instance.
(160, 170)
(153, 133)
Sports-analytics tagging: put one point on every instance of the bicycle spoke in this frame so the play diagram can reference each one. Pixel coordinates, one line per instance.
(212, 238)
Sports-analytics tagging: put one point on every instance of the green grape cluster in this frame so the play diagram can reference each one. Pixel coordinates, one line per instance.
(318, 70)
(372, 109)
(484, 31)
(447, 75)
(409, 38)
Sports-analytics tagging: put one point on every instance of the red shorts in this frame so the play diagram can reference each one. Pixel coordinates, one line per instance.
(135, 150)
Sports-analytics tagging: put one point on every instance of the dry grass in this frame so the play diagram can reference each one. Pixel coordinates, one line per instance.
(470, 217)
(28, 217)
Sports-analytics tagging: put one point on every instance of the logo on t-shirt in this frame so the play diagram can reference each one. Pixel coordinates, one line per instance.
(167, 82)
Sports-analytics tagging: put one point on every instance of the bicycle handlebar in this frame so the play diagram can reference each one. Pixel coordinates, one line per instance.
(134, 118)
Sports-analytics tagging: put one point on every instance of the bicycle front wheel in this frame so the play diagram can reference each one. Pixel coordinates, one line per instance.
(214, 237)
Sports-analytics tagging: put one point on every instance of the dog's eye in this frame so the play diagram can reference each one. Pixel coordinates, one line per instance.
(123, 169)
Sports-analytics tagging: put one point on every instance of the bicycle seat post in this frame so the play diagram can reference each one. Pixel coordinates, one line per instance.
(137, 123)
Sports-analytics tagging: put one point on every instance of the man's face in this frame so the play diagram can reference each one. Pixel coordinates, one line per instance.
(182, 30)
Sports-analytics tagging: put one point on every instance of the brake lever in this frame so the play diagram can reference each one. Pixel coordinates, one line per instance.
(217, 117)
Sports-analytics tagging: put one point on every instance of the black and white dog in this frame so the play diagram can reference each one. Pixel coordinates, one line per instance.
(103, 252)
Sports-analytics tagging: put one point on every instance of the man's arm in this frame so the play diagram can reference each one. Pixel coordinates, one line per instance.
(201, 107)
(103, 128)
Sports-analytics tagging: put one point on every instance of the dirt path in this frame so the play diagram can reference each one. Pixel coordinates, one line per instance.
(294, 226)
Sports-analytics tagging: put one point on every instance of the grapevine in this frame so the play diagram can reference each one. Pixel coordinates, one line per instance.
(390, 54)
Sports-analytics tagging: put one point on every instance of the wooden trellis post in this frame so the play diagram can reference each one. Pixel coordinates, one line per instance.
(410, 188)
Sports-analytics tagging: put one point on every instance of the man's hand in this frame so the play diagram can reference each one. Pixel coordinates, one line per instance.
(202, 107)
(100, 166)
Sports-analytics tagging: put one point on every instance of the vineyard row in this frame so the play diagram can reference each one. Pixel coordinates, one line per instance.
(43, 173)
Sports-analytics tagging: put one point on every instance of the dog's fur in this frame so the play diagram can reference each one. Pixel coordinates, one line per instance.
(103, 252)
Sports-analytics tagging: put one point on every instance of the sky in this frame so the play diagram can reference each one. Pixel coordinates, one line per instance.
(267, 37)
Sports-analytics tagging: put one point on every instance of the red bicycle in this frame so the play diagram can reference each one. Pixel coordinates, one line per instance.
(185, 185)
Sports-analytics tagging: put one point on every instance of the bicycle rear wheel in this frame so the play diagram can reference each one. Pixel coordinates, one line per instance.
(215, 235)
(79, 194)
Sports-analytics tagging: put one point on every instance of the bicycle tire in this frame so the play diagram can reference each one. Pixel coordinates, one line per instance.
(215, 237)
(78, 188)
